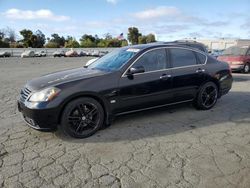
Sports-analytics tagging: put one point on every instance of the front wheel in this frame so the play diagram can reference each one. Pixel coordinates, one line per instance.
(82, 117)
(207, 96)
(246, 68)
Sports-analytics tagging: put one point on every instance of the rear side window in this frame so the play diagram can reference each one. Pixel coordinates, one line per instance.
(248, 53)
(201, 58)
(153, 60)
(182, 57)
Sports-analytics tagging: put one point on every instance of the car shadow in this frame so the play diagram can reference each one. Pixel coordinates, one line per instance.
(231, 108)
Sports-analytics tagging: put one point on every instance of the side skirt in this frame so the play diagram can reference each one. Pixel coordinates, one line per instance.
(153, 107)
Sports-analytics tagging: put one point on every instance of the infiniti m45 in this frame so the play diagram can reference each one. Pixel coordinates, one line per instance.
(134, 78)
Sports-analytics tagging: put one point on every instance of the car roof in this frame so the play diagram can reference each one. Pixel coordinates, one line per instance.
(162, 44)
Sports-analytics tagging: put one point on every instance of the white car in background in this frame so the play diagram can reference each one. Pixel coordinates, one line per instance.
(5, 54)
(71, 53)
(40, 54)
(95, 53)
(59, 53)
(28, 53)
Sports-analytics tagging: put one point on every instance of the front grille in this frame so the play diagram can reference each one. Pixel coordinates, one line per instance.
(25, 93)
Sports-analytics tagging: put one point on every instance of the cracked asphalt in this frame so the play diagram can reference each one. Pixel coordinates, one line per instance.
(168, 147)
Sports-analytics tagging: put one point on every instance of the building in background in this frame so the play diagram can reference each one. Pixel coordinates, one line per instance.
(221, 44)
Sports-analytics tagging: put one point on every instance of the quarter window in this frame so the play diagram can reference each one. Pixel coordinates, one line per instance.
(182, 57)
(201, 59)
(248, 53)
(152, 60)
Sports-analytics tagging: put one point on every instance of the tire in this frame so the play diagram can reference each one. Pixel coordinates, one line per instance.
(207, 96)
(246, 68)
(82, 117)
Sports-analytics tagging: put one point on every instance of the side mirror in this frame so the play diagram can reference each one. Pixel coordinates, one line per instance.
(135, 70)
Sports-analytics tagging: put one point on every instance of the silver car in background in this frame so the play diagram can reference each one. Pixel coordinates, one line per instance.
(40, 54)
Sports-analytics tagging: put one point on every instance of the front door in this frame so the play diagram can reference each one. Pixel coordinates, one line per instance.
(151, 88)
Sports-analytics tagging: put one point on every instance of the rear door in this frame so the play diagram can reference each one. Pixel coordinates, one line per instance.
(188, 72)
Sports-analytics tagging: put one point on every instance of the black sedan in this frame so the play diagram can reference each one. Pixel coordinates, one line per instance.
(130, 79)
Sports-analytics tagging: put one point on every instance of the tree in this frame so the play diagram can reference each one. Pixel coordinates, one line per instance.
(11, 34)
(102, 43)
(27, 37)
(142, 40)
(72, 43)
(16, 45)
(4, 44)
(52, 45)
(107, 36)
(150, 38)
(114, 43)
(124, 43)
(88, 41)
(55, 38)
(86, 37)
(2, 34)
(40, 39)
(133, 35)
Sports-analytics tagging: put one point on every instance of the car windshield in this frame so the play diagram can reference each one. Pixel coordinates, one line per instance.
(235, 51)
(114, 60)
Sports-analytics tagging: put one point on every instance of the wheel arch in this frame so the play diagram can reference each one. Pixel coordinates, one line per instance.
(95, 96)
(211, 79)
(217, 83)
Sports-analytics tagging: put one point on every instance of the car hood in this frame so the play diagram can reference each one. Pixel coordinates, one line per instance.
(230, 58)
(56, 78)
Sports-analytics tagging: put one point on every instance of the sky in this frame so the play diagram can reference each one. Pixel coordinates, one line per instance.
(167, 19)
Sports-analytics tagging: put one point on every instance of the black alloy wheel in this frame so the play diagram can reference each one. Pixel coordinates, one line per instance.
(207, 96)
(82, 118)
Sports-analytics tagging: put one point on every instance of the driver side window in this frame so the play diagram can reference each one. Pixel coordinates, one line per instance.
(152, 60)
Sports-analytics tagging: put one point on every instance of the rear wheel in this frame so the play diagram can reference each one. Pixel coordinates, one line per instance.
(207, 96)
(82, 117)
(246, 68)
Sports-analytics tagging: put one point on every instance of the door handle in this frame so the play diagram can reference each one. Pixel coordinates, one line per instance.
(165, 76)
(200, 70)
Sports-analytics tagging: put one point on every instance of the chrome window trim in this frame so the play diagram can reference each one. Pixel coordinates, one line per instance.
(165, 47)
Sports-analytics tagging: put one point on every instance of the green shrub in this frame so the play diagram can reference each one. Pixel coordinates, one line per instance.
(52, 45)
(4, 44)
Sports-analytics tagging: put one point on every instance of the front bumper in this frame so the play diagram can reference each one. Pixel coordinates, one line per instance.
(40, 119)
(237, 67)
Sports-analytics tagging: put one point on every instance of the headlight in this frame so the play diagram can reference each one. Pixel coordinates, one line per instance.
(44, 95)
(237, 63)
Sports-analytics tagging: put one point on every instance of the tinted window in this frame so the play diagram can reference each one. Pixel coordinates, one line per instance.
(153, 60)
(248, 53)
(200, 58)
(235, 50)
(114, 60)
(182, 57)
